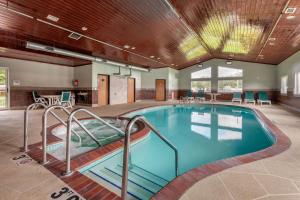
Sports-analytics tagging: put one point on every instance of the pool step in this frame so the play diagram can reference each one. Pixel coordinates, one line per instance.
(141, 184)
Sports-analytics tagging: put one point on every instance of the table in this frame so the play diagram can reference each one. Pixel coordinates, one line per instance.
(52, 99)
(213, 96)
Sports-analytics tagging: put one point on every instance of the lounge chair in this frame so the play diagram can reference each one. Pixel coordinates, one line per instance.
(263, 98)
(38, 99)
(65, 99)
(200, 96)
(188, 98)
(249, 97)
(237, 97)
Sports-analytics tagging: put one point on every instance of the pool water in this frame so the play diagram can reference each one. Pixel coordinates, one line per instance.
(201, 133)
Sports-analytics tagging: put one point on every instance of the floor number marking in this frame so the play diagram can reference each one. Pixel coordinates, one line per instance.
(65, 194)
(22, 159)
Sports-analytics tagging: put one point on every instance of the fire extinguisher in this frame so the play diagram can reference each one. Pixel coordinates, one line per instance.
(75, 82)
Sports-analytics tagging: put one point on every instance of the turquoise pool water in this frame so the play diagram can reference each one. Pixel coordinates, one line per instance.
(201, 133)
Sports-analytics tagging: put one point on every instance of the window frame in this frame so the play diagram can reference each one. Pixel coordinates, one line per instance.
(297, 84)
(202, 79)
(229, 78)
(284, 93)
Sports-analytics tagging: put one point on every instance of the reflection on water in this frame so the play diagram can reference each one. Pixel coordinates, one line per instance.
(225, 126)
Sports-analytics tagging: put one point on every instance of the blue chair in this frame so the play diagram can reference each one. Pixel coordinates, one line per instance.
(263, 98)
(65, 99)
(237, 97)
(249, 97)
(200, 95)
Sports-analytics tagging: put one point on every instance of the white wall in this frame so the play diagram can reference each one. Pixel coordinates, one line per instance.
(256, 76)
(289, 67)
(170, 75)
(103, 68)
(84, 75)
(37, 74)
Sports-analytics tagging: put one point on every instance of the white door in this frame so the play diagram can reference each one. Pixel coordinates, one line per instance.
(4, 89)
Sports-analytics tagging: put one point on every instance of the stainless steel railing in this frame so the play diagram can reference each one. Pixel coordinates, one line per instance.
(45, 126)
(26, 111)
(69, 128)
(126, 153)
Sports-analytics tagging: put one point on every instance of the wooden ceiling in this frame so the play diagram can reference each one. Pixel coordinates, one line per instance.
(175, 33)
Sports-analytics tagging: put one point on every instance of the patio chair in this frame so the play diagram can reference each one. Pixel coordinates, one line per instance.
(190, 97)
(200, 96)
(249, 97)
(237, 97)
(38, 99)
(263, 98)
(65, 99)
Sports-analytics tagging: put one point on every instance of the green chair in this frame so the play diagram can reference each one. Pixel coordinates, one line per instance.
(237, 97)
(65, 99)
(200, 95)
(263, 98)
(249, 97)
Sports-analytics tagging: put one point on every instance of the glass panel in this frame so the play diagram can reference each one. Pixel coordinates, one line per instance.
(284, 80)
(224, 134)
(229, 72)
(203, 85)
(230, 121)
(3, 87)
(201, 118)
(230, 85)
(204, 73)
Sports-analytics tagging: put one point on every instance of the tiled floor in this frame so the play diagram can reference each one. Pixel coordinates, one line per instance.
(272, 178)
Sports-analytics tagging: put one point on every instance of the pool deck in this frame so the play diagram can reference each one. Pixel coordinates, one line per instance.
(273, 178)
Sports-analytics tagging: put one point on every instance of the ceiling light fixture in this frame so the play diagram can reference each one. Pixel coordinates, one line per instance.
(40, 47)
(133, 48)
(152, 56)
(52, 18)
(126, 46)
(271, 43)
(84, 28)
(291, 17)
(158, 58)
(272, 39)
(200, 65)
(172, 64)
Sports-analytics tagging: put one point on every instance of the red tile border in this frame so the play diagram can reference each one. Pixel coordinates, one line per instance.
(80, 183)
(176, 188)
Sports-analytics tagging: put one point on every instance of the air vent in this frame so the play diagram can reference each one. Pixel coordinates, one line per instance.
(75, 36)
(290, 10)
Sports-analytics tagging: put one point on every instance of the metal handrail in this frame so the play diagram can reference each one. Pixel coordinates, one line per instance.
(33, 105)
(45, 126)
(126, 153)
(69, 128)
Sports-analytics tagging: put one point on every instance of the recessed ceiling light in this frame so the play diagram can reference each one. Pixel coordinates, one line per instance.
(172, 64)
(152, 56)
(290, 10)
(126, 46)
(132, 48)
(272, 43)
(84, 28)
(158, 58)
(291, 17)
(272, 39)
(52, 18)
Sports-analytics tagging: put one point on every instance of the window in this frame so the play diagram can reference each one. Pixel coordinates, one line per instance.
(230, 79)
(229, 72)
(203, 73)
(230, 85)
(297, 84)
(201, 85)
(283, 86)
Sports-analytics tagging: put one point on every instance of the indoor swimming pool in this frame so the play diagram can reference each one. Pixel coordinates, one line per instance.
(201, 133)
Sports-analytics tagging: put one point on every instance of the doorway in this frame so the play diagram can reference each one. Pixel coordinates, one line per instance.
(130, 90)
(160, 89)
(103, 90)
(4, 89)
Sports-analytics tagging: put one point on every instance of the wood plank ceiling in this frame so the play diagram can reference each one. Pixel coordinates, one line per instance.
(159, 33)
